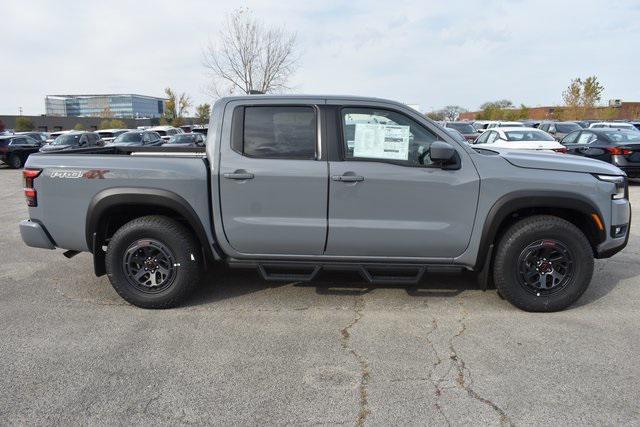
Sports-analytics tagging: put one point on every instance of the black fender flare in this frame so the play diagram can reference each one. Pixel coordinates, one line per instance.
(543, 199)
(111, 197)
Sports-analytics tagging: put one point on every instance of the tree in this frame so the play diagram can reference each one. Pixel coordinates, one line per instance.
(437, 115)
(176, 107)
(203, 111)
(250, 57)
(106, 113)
(500, 104)
(79, 126)
(118, 124)
(24, 124)
(581, 97)
(452, 112)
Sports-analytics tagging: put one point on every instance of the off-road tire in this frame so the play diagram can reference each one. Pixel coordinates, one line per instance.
(15, 161)
(180, 242)
(527, 231)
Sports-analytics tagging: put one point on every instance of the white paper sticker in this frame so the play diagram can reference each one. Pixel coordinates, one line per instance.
(378, 141)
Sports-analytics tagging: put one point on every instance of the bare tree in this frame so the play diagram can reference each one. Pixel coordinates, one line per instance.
(452, 112)
(249, 57)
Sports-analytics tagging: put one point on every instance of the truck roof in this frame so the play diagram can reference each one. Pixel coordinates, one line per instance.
(313, 97)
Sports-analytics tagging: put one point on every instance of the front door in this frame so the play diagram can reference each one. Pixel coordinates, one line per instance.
(273, 185)
(386, 198)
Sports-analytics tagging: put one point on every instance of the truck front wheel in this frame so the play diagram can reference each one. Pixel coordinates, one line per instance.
(153, 262)
(543, 263)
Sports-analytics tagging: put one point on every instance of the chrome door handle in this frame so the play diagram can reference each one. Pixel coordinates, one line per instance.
(239, 175)
(348, 178)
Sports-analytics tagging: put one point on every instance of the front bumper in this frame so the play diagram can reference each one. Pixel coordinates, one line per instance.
(35, 235)
(620, 216)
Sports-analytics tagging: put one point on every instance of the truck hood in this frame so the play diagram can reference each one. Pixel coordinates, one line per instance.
(558, 162)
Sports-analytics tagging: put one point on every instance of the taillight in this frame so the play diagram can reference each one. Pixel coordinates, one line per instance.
(560, 150)
(29, 192)
(617, 151)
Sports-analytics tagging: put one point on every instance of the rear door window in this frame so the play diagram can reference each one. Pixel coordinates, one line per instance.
(286, 132)
(571, 138)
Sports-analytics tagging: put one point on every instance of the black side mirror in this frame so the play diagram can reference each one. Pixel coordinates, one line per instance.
(441, 151)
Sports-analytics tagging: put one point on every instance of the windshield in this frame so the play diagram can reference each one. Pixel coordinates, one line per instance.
(567, 127)
(183, 138)
(528, 135)
(462, 127)
(68, 139)
(161, 132)
(105, 134)
(129, 137)
(623, 136)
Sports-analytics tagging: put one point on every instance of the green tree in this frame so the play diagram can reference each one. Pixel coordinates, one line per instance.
(105, 124)
(177, 105)
(118, 124)
(437, 115)
(79, 126)
(591, 92)
(203, 111)
(24, 124)
(177, 122)
(581, 97)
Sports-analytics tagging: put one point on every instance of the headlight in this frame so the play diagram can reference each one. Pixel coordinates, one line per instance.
(620, 185)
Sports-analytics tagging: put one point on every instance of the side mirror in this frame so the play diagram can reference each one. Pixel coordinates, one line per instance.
(441, 151)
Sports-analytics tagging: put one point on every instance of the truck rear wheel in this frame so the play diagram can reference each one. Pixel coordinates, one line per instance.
(543, 263)
(153, 262)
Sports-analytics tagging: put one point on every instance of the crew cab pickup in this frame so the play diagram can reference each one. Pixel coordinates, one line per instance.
(293, 185)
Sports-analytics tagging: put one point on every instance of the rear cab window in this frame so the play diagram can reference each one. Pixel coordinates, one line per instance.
(276, 132)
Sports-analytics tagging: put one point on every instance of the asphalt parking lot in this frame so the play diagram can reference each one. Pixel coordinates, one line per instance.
(336, 351)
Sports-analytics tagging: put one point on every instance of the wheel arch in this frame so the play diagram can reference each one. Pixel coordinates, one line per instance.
(111, 208)
(514, 206)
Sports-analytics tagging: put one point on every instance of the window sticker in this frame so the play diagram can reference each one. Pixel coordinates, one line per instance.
(378, 141)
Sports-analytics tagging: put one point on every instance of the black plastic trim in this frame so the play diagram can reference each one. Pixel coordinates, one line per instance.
(132, 196)
(515, 201)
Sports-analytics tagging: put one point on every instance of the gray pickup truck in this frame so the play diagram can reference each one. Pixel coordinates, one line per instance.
(293, 185)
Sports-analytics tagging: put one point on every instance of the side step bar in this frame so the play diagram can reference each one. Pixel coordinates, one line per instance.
(372, 273)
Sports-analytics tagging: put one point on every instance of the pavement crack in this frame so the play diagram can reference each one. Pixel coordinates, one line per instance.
(437, 384)
(465, 381)
(346, 342)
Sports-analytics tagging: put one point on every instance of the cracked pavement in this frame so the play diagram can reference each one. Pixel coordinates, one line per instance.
(335, 351)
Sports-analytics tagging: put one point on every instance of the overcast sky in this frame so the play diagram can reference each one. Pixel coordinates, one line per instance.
(430, 53)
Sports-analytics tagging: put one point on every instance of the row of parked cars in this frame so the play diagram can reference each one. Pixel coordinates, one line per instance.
(15, 148)
(617, 143)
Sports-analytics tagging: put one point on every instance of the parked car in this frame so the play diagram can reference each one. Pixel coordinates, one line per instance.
(530, 123)
(108, 135)
(15, 149)
(518, 138)
(200, 129)
(41, 137)
(72, 140)
(54, 135)
(620, 147)
(378, 189)
(456, 135)
(636, 125)
(481, 125)
(465, 128)
(614, 125)
(559, 129)
(504, 125)
(166, 132)
(137, 138)
(186, 140)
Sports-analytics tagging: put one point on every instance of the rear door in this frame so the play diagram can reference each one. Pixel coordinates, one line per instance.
(273, 180)
(387, 199)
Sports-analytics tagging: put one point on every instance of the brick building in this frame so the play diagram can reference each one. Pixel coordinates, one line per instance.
(617, 111)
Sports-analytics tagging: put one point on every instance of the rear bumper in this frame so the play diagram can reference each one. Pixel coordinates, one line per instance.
(35, 235)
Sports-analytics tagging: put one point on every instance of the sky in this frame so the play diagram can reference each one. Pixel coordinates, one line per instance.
(429, 53)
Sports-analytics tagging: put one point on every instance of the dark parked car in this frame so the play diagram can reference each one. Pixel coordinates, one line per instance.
(186, 140)
(38, 136)
(465, 128)
(618, 147)
(456, 135)
(74, 139)
(108, 135)
(559, 129)
(137, 138)
(15, 149)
